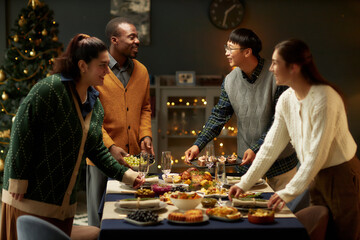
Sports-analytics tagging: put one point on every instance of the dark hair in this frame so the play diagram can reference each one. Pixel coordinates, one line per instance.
(246, 38)
(295, 51)
(111, 28)
(81, 47)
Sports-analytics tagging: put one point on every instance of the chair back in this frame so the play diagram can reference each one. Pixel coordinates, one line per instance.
(34, 228)
(315, 219)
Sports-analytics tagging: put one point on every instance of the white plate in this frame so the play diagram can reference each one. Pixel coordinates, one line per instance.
(205, 218)
(179, 185)
(170, 176)
(215, 195)
(260, 182)
(233, 182)
(162, 205)
(225, 219)
(141, 223)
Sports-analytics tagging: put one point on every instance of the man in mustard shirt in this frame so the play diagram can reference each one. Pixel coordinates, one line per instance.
(125, 97)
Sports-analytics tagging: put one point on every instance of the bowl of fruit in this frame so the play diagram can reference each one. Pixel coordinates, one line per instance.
(186, 200)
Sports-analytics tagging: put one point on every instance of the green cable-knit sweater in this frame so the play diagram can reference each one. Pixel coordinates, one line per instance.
(49, 141)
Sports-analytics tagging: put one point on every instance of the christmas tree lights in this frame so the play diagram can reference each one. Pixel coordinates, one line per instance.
(32, 47)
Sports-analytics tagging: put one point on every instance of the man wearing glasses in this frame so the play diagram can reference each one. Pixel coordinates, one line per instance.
(249, 91)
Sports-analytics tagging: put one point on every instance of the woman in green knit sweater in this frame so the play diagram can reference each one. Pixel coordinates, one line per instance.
(56, 127)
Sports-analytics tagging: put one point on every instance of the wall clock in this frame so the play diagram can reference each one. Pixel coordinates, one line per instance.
(226, 14)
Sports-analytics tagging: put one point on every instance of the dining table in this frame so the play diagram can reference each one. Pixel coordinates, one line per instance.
(115, 226)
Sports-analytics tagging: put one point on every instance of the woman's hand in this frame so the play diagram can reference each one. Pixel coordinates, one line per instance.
(138, 181)
(17, 196)
(234, 191)
(276, 202)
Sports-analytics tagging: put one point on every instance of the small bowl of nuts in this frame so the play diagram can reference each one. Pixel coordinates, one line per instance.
(144, 193)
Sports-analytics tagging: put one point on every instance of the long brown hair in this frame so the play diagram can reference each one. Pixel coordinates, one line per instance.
(81, 47)
(295, 51)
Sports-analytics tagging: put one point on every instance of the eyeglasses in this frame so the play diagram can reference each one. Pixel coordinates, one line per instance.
(227, 48)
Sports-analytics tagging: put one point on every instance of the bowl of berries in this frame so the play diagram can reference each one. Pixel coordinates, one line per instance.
(143, 217)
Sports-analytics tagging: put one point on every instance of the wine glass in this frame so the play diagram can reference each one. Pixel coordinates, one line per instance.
(143, 165)
(166, 163)
(220, 177)
(209, 155)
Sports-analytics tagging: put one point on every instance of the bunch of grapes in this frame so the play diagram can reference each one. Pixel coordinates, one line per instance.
(132, 160)
(143, 216)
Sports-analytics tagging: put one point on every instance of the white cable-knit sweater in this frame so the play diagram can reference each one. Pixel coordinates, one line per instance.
(318, 129)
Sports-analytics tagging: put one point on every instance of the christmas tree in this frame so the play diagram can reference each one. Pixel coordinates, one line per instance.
(32, 47)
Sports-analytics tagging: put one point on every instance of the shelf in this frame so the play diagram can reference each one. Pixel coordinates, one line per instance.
(173, 116)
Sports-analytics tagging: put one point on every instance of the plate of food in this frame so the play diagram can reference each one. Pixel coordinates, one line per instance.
(230, 160)
(214, 192)
(250, 194)
(191, 178)
(171, 178)
(192, 216)
(143, 218)
(144, 193)
(224, 213)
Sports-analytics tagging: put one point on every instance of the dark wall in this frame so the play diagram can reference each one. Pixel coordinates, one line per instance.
(182, 37)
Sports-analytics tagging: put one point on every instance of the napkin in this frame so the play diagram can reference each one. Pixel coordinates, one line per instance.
(152, 179)
(114, 186)
(233, 180)
(249, 202)
(139, 203)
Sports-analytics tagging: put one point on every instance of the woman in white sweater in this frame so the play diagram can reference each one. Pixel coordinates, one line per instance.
(311, 115)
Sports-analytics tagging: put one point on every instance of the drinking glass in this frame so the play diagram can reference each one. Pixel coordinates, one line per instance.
(210, 155)
(220, 176)
(144, 165)
(166, 162)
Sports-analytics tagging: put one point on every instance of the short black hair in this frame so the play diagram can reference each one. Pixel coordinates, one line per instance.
(112, 26)
(246, 38)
